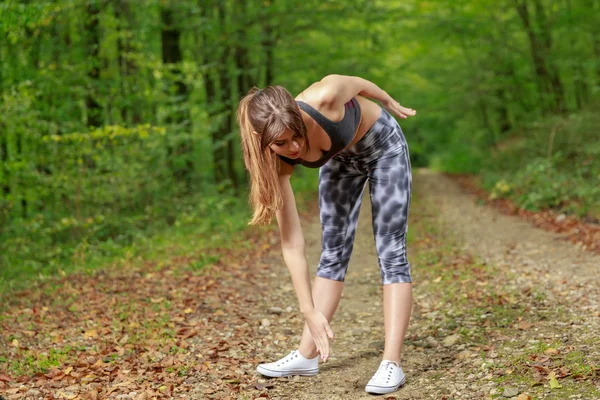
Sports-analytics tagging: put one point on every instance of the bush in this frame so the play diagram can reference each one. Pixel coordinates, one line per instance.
(552, 164)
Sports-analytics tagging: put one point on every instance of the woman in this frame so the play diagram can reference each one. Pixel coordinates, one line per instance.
(333, 126)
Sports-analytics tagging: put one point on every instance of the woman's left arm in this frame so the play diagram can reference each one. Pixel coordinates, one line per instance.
(338, 89)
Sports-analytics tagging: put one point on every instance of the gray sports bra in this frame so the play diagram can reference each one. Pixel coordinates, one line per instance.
(340, 133)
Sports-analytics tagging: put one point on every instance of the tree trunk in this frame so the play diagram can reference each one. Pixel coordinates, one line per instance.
(504, 119)
(269, 48)
(541, 73)
(4, 178)
(171, 53)
(596, 52)
(5, 186)
(92, 30)
(178, 116)
(223, 134)
(245, 80)
(553, 73)
(131, 111)
(212, 79)
(580, 84)
(546, 73)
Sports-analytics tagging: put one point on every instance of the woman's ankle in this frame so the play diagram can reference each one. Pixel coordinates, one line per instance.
(392, 357)
(309, 354)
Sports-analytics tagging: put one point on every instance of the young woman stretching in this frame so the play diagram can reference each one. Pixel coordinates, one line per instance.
(332, 125)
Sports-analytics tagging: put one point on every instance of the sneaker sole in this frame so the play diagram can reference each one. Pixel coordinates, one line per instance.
(384, 389)
(279, 374)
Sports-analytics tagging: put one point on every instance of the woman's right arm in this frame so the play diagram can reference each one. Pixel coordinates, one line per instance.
(294, 255)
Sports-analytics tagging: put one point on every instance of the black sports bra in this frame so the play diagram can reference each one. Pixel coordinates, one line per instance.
(340, 133)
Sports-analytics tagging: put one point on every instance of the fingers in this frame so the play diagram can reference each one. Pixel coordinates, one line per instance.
(320, 332)
(408, 111)
(329, 331)
(403, 112)
(322, 345)
(325, 348)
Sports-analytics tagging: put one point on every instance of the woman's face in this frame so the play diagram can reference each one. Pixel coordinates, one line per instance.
(287, 145)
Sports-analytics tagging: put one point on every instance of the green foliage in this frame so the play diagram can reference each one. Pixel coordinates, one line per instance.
(554, 164)
(116, 122)
(492, 74)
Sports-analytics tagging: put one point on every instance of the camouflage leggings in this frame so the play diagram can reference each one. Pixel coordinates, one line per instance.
(381, 158)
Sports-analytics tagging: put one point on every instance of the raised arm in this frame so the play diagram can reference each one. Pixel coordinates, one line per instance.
(294, 255)
(339, 89)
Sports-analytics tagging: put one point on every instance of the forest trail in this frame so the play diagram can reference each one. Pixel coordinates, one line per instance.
(501, 309)
(451, 352)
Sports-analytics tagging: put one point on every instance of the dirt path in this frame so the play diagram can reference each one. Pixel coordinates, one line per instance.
(451, 351)
(507, 240)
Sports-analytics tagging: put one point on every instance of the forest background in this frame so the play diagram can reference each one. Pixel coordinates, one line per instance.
(117, 118)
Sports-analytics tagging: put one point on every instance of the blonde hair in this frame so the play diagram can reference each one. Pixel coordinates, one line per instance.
(263, 115)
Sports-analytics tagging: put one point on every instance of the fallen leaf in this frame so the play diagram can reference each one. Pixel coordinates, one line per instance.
(88, 378)
(554, 383)
(142, 396)
(551, 351)
(541, 369)
(66, 395)
(451, 340)
(92, 333)
(524, 325)
(190, 334)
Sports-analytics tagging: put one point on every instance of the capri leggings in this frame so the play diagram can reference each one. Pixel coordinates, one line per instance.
(380, 158)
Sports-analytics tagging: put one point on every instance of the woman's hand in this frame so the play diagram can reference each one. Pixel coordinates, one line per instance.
(320, 330)
(401, 112)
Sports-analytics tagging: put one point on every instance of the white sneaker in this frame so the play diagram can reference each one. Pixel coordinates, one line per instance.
(388, 378)
(292, 364)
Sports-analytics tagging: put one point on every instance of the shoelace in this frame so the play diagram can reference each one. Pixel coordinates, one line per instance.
(289, 357)
(383, 369)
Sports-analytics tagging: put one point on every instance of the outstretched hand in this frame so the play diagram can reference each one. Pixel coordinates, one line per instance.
(399, 111)
(320, 331)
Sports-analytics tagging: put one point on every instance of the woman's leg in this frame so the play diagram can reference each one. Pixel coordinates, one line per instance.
(326, 297)
(397, 306)
(390, 184)
(340, 191)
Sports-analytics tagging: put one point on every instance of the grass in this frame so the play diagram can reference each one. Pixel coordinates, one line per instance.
(32, 362)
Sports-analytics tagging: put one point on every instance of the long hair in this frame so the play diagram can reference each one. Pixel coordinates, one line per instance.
(263, 115)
